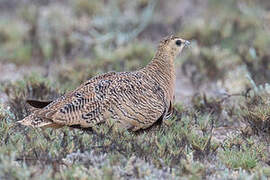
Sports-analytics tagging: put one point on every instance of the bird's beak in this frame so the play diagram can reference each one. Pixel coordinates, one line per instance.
(187, 43)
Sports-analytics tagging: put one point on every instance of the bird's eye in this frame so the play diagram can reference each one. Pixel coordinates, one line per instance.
(178, 42)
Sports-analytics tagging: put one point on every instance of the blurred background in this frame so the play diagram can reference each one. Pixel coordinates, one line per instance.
(68, 41)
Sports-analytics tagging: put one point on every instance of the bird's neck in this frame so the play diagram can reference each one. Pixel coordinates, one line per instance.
(162, 70)
(162, 61)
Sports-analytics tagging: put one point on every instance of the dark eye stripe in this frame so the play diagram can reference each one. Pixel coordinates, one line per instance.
(178, 42)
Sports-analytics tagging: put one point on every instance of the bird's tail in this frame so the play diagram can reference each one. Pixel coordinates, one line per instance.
(34, 121)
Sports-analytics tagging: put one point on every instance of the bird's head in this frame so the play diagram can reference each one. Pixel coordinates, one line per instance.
(173, 45)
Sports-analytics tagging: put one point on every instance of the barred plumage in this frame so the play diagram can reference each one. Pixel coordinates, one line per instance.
(134, 100)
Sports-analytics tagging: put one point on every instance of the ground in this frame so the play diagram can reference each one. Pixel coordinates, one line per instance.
(221, 125)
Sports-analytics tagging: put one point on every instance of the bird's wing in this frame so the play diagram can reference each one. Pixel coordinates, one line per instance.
(67, 108)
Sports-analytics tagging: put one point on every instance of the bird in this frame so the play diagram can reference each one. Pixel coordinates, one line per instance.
(132, 100)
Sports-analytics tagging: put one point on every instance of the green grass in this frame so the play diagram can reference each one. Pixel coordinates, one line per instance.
(236, 159)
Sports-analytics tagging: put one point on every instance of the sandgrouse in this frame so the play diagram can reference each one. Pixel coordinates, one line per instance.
(133, 100)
